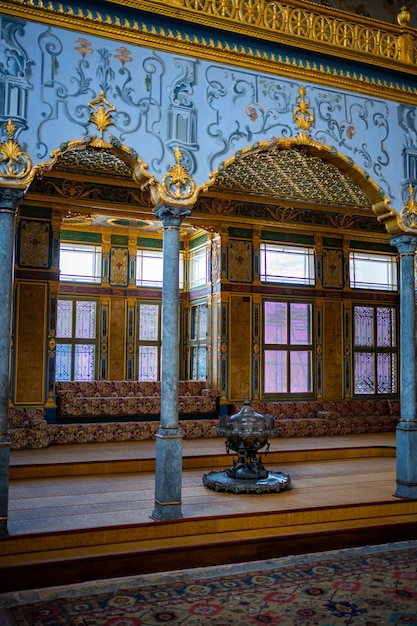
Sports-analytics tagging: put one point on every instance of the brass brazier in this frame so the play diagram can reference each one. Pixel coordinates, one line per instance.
(246, 434)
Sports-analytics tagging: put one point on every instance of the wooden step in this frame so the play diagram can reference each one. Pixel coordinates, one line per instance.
(342, 497)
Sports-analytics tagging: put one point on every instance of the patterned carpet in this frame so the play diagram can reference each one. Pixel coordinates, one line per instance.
(369, 586)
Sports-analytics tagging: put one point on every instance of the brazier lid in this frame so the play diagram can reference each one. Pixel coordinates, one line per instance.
(246, 422)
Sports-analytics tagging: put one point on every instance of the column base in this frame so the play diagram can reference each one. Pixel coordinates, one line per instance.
(406, 443)
(406, 490)
(3, 528)
(166, 511)
(168, 474)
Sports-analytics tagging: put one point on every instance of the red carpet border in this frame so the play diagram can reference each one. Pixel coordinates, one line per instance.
(371, 586)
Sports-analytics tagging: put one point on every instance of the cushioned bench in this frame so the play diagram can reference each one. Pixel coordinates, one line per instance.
(127, 398)
(126, 431)
(28, 428)
(339, 417)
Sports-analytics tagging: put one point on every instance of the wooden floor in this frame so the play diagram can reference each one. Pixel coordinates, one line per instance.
(80, 512)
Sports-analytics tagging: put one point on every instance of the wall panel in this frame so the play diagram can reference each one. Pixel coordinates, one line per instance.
(117, 340)
(332, 350)
(240, 343)
(30, 342)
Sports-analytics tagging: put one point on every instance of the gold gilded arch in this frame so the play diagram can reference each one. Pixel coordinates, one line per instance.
(249, 159)
(303, 142)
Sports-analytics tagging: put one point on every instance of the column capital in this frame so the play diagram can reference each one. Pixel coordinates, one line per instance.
(406, 244)
(172, 216)
(10, 199)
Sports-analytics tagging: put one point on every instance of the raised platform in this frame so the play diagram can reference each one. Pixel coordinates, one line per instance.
(82, 512)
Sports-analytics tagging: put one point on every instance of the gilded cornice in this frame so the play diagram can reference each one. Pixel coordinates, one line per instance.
(294, 218)
(368, 41)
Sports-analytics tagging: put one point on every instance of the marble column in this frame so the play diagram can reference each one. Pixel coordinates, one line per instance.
(168, 470)
(406, 434)
(9, 203)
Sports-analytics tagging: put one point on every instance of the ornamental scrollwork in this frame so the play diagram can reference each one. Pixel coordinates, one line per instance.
(409, 210)
(101, 116)
(177, 183)
(303, 116)
(15, 164)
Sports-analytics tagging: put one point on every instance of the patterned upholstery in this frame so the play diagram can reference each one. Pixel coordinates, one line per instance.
(125, 431)
(130, 398)
(339, 417)
(28, 427)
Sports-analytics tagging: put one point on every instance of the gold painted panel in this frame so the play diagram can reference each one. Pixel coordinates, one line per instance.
(240, 261)
(332, 350)
(118, 267)
(240, 342)
(30, 342)
(333, 268)
(34, 244)
(117, 339)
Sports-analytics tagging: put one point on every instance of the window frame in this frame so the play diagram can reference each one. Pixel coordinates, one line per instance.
(376, 350)
(197, 259)
(357, 258)
(267, 251)
(75, 341)
(149, 342)
(83, 248)
(153, 253)
(197, 344)
(290, 348)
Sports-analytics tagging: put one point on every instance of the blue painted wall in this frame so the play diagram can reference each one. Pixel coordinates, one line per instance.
(48, 76)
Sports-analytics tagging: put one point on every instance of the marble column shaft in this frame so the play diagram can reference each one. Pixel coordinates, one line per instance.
(168, 470)
(406, 434)
(9, 202)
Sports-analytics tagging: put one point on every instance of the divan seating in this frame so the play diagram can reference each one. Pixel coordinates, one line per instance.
(27, 428)
(338, 417)
(118, 399)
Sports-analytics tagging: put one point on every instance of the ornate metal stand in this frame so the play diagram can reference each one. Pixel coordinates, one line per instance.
(247, 433)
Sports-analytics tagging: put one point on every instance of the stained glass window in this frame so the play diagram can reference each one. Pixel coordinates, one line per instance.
(288, 355)
(198, 342)
(149, 341)
(76, 340)
(375, 350)
(148, 363)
